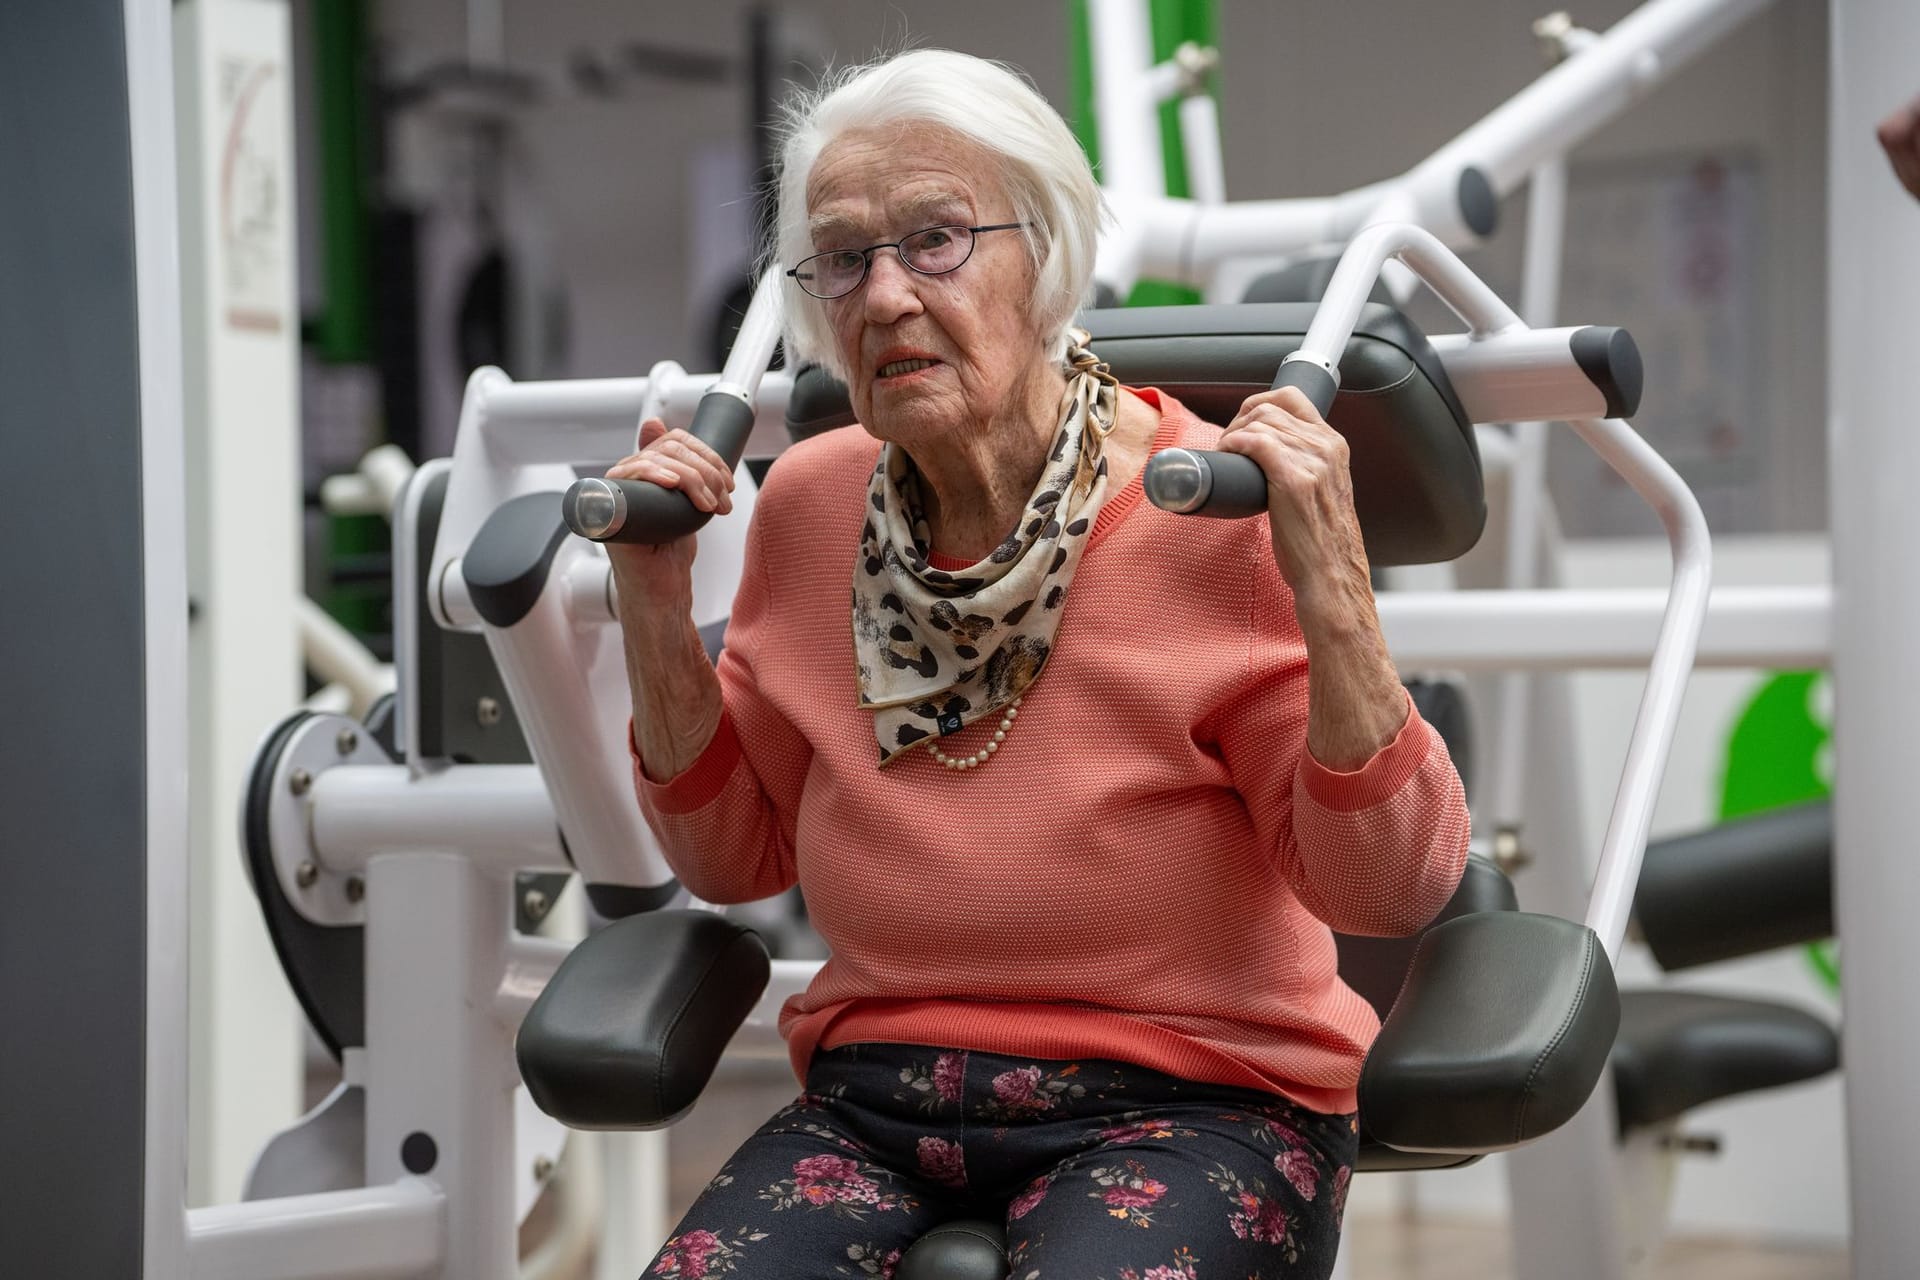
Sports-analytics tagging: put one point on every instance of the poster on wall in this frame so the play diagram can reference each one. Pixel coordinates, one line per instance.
(1673, 249)
(254, 204)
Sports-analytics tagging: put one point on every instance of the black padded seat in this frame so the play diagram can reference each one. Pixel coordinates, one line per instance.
(1682, 1049)
(1416, 465)
(963, 1249)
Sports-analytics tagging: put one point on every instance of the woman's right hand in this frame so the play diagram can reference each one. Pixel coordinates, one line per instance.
(672, 460)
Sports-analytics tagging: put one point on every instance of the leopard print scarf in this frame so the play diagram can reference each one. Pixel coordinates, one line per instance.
(935, 651)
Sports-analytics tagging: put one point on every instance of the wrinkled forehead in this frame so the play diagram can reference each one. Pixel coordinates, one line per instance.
(876, 182)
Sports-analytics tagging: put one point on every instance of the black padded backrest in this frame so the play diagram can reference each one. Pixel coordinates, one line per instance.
(1416, 467)
(1376, 967)
(1305, 280)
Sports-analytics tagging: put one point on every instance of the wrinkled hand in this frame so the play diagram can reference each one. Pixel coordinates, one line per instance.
(1899, 134)
(672, 460)
(1316, 535)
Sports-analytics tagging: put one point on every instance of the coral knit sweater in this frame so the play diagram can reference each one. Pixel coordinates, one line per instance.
(1149, 870)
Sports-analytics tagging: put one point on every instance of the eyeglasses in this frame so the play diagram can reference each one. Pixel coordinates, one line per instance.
(932, 252)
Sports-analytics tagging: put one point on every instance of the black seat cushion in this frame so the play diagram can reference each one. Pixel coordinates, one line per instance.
(1681, 1049)
(959, 1250)
(629, 1029)
(1415, 461)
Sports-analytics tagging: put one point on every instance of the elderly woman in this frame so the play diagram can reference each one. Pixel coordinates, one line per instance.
(1076, 789)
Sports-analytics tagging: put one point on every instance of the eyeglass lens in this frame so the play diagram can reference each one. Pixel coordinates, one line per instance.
(931, 252)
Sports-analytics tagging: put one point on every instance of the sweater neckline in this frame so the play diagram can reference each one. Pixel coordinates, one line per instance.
(1117, 507)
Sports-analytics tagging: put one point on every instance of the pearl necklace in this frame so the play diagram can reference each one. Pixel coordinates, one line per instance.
(962, 763)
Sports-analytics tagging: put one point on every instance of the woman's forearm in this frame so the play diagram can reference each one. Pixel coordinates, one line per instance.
(1355, 703)
(676, 695)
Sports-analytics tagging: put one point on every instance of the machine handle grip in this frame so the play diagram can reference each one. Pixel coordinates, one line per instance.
(1207, 482)
(1319, 385)
(641, 511)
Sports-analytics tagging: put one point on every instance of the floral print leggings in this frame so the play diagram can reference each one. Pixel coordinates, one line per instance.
(1101, 1171)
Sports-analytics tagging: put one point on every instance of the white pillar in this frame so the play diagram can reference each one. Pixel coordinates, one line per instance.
(1873, 329)
(241, 330)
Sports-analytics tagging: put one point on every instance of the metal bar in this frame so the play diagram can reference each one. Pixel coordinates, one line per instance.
(1874, 457)
(1574, 100)
(336, 655)
(531, 963)
(1185, 241)
(160, 544)
(1527, 485)
(1625, 843)
(1466, 294)
(390, 1232)
(1200, 138)
(1130, 152)
(1519, 375)
(1568, 630)
(586, 407)
(439, 1066)
(500, 816)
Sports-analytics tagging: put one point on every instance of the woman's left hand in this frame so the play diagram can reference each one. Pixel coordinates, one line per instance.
(1316, 535)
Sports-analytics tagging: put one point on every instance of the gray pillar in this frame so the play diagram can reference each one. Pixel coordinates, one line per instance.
(84, 262)
(1873, 328)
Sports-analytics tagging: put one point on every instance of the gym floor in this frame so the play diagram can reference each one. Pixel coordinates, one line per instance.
(1386, 1247)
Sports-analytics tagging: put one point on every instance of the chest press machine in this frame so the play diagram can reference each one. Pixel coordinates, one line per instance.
(386, 868)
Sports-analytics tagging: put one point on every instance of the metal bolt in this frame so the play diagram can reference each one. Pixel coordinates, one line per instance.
(305, 875)
(356, 888)
(542, 1168)
(1692, 1144)
(347, 742)
(300, 780)
(1508, 854)
(488, 712)
(536, 905)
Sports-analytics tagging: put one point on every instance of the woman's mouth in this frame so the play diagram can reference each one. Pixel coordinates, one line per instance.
(905, 368)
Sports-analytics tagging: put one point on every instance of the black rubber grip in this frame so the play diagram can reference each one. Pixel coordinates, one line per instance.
(1319, 385)
(655, 515)
(723, 422)
(1234, 485)
(1239, 486)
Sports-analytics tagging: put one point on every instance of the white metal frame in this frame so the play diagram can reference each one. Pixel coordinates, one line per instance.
(1190, 241)
(435, 844)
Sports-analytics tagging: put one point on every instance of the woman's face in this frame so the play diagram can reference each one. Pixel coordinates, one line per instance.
(875, 186)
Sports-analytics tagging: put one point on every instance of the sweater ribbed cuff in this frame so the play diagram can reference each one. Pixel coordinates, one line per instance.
(1376, 781)
(695, 786)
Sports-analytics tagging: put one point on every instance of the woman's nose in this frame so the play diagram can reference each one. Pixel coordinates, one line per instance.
(892, 288)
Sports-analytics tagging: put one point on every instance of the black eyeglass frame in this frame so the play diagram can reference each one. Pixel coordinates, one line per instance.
(866, 256)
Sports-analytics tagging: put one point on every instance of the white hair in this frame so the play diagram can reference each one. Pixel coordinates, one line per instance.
(986, 103)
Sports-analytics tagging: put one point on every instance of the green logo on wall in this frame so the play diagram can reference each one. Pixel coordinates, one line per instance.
(1781, 753)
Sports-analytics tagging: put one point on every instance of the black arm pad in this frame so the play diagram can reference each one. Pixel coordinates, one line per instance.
(1742, 887)
(629, 1029)
(1498, 1037)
